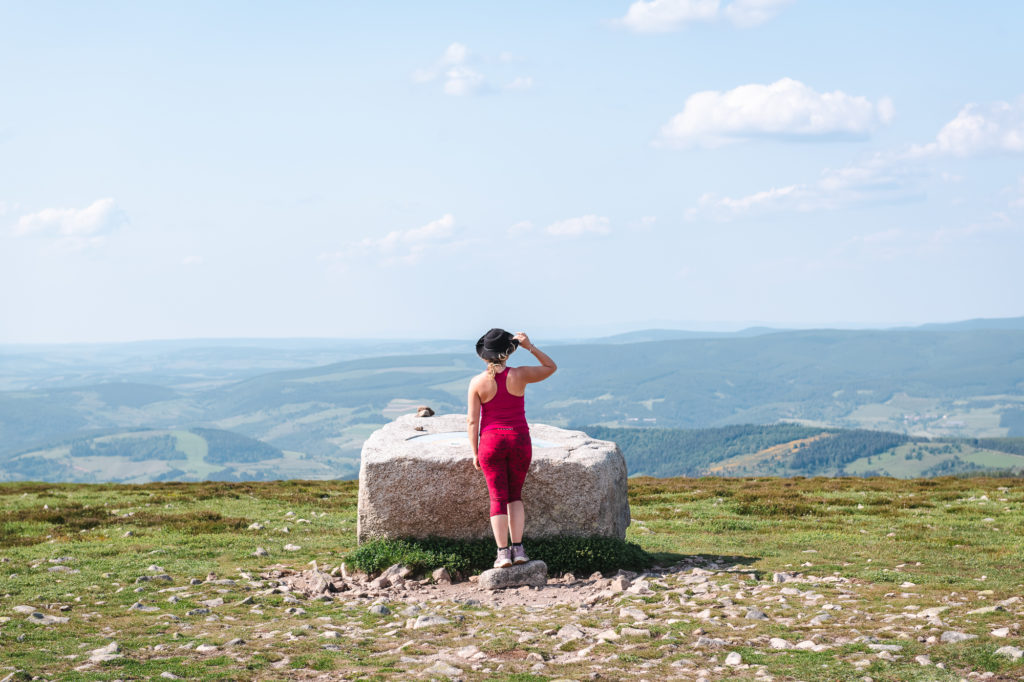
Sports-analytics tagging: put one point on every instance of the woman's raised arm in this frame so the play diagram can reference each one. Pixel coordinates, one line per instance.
(531, 375)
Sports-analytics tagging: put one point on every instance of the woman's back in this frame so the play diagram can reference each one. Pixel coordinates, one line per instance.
(505, 410)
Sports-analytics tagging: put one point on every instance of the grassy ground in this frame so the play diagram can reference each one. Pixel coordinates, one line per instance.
(892, 548)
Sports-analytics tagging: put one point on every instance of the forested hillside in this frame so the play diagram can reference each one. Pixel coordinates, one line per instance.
(793, 450)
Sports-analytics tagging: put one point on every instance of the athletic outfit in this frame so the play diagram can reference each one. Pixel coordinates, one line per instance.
(505, 449)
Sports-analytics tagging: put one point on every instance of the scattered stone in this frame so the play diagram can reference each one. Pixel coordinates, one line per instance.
(261, 552)
(139, 606)
(635, 632)
(106, 653)
(778, 643)
(291, 548)
(952, 636)
(256, 525)
(429, 621)
(44, 619)
(754, 613)
(1001, 632)
(24, 610)
(923, 659)
(932, 612)
(331, 634)
(781, 577)
(636, 615)
(609, 636)
(733, 658)
(620, 583)
(197, 612)
(205, 648)
(885, 647)
(986, 609)
(168, 675)
(212, 602)
(441, 576)
(62, 569)
(533, 573)
(237, 641)
(570, 632)
(295, 611)
(443, 669)
(424, 411)
(1013, 652)
(379, 609)
(640, 587)
(710, 642)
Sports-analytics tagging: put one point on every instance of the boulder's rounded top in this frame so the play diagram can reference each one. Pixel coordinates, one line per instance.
(444, 437)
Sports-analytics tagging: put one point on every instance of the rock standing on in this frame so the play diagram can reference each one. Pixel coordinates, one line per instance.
(500, 436)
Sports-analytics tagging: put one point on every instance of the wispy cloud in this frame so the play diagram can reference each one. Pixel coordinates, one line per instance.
(459, 73)
(663, 16)
(979, 129)
(577, 227)
(876, 181)
(400, 246)
(75, 228)
(784, 109)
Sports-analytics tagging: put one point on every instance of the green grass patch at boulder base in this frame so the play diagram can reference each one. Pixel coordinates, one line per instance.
(577, 555)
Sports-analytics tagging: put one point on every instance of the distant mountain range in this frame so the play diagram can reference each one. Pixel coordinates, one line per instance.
(313, 402)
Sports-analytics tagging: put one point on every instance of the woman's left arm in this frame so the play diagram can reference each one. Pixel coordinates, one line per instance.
(473, 422)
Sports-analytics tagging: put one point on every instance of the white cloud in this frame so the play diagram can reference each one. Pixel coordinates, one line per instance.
(662, 16)
(522, 227)
(746, 13)
(74, 227)
(520, 83)
(458, 72)
(783, 109)
(575, 227)
(400, 246)
(979, 129)
(459, 79)
(462, 80)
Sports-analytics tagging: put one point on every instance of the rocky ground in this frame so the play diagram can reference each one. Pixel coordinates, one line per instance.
(701, 620)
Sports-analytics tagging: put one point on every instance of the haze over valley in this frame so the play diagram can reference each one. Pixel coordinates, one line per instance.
(271, 409)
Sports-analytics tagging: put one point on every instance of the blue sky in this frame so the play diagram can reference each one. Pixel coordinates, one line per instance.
(262, 169)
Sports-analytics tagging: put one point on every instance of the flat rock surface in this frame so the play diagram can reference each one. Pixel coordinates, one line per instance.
(532, 573)
(413, 485)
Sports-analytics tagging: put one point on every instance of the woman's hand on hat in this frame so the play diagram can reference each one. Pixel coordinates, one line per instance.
(523, 339)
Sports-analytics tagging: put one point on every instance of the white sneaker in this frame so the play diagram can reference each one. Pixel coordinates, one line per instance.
(519, 555)
(504, 559)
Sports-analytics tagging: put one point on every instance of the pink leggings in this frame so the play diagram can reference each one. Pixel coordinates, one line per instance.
(505, 458)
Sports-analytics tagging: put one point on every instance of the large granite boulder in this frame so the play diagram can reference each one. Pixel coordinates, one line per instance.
(416, 479)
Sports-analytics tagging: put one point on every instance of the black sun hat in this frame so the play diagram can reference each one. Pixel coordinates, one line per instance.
(495, 343)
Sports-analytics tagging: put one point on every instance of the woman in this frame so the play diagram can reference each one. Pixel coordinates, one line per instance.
(500, 437)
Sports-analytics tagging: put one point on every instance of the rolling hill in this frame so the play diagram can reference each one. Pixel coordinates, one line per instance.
(922, 383)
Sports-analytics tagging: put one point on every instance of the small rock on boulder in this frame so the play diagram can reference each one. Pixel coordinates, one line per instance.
(533, 573)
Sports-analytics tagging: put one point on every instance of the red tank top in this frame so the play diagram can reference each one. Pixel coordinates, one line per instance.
(504, 410)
